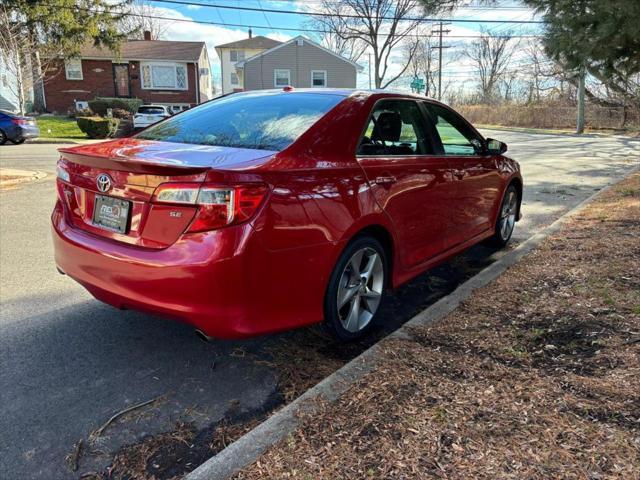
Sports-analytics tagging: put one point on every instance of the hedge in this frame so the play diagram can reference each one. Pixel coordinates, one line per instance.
(98, 127)
(99, 105)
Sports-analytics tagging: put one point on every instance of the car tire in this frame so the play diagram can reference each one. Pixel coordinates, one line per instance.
(356, 289)
(3, 138)
(19, 141)
(507, 216)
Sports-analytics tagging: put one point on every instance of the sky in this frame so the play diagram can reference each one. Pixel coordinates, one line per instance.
(457, 71)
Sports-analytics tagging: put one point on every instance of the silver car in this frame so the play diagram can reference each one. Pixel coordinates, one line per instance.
(150, 114)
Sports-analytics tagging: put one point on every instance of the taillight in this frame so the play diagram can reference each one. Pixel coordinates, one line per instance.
(20, 121)
(218, 206)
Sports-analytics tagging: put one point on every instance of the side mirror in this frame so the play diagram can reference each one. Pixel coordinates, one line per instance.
(496, 147)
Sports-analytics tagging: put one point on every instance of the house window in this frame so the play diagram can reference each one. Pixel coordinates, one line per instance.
(318, 78)
(234, 79)
(281, 77)
(204, 71)
(236, 55)
(167, 76)
(73, 68)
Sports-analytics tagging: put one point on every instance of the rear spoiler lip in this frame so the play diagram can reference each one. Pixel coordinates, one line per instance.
(149, 159)
(132, 164)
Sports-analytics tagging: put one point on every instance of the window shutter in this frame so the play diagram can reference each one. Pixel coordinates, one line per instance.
(181, 77)
(146, 76)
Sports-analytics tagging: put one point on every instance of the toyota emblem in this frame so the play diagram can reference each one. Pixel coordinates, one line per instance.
(103, 182)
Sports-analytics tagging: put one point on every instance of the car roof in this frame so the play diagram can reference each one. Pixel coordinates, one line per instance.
(344, 92)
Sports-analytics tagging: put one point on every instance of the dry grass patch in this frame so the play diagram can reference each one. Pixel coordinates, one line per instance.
(535, 376)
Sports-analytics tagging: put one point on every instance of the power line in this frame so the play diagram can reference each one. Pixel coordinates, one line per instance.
(461, 7)
(324, 14)
(241, 25)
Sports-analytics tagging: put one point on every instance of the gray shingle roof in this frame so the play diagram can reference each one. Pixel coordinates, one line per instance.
(149, 50)
(254, 42)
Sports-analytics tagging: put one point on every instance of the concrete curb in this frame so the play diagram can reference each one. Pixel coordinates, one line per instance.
(25, 176)
(250, 446)
(65, 141)
(565, 133)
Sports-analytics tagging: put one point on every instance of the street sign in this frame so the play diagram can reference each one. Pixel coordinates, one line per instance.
(417, 85)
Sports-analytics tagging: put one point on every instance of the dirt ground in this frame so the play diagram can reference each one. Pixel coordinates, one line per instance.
(536, 376)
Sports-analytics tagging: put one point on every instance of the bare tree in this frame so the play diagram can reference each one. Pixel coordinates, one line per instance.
(141, 17)
(490, 56)
(338, 41)
(423, 60)
(381, 25)
(13, 59)
(25, 59)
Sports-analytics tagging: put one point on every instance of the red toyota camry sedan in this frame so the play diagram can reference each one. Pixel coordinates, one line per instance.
(264, 211)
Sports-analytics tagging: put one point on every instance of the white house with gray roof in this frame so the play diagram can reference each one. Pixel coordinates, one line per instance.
(300, 63)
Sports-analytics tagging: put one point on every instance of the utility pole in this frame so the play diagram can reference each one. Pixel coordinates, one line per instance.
(440, 32)
(581, 88)
(369, 71)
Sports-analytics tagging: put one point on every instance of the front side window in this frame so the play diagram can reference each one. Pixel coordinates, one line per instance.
(318, 78)
(281, 77)
(255, 120)
(456, 137)
(168, 76)
(395, 128)
(73, 68)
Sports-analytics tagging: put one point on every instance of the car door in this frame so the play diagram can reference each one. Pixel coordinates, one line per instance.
(474, 172)
(409, 182)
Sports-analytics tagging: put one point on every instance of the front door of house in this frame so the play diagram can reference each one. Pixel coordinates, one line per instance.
(121, 79)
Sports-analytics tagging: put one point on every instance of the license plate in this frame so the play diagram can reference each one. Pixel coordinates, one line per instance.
(111, 213)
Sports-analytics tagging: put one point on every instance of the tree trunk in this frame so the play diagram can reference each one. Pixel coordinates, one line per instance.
(581, 88)
(38, 87)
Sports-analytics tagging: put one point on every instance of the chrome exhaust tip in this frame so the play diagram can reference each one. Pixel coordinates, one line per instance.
(202, 336)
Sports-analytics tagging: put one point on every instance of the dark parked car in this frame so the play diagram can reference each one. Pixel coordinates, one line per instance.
(16, 128)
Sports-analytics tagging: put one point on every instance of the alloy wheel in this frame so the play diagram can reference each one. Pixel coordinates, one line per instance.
(508, 214)
(360, 289)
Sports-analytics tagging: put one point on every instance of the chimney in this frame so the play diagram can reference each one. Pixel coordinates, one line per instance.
(147, 35)
(250, 33)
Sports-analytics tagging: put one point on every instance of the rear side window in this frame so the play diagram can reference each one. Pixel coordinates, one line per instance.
(257, 121)
(456, 137)
(395, 128)
(152, 110)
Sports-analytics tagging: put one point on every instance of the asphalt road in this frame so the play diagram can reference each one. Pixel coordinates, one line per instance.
(68, 362)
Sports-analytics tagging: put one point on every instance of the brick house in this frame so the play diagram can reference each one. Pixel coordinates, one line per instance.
(172, 73)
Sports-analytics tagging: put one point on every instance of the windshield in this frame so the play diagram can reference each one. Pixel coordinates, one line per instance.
(257, 121)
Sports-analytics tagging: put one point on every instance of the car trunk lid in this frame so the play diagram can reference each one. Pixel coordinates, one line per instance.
(110, 186)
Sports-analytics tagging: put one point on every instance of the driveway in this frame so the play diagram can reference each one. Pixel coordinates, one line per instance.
(69, 362)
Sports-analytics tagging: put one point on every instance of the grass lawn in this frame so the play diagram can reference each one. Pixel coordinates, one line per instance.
(59, 127)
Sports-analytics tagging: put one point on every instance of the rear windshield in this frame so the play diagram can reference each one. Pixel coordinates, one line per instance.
(257, 121)
(151, 110)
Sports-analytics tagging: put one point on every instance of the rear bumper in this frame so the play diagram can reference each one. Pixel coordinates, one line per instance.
(201, 279)
(139, 123)
(29, 132)
(16, 132)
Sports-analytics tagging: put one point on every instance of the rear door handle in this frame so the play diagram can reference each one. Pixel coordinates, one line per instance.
(386, 180)
(459, 174)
